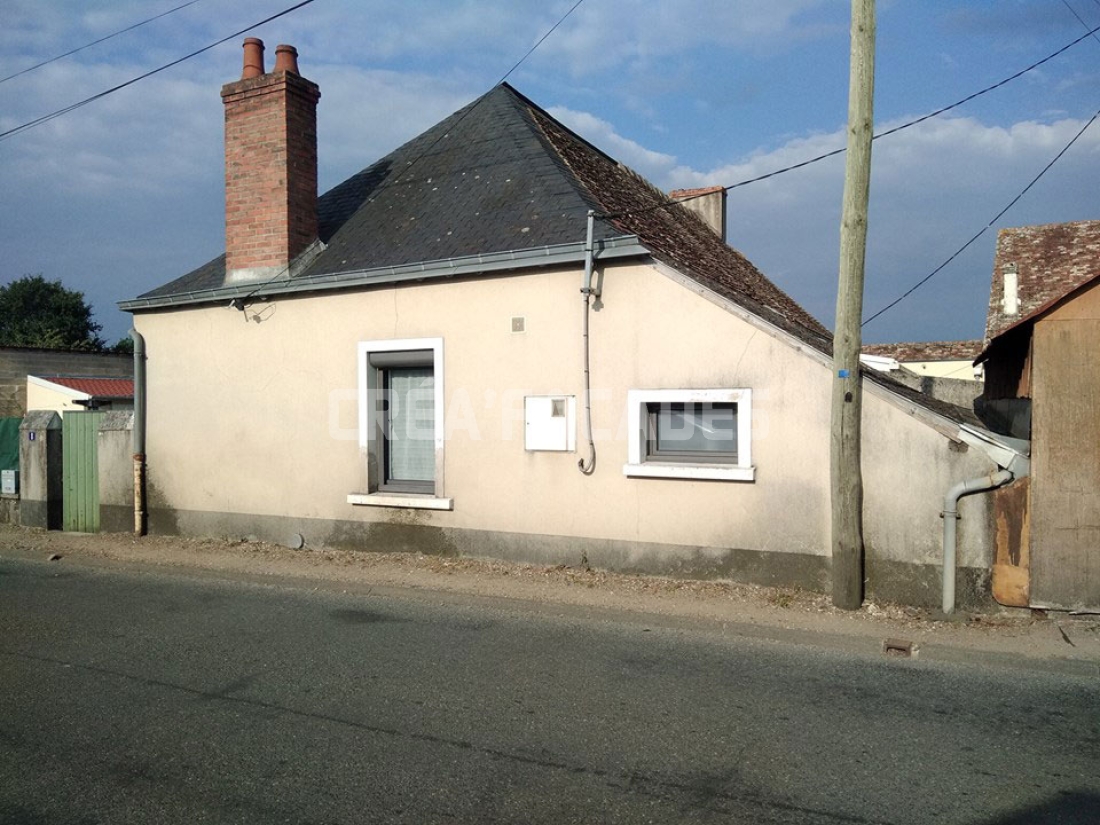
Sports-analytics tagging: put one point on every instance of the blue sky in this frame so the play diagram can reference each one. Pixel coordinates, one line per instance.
(125, 194)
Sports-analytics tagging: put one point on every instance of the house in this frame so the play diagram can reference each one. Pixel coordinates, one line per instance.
(1035, 265)
(934, 359)
(1043, 383)
(61, 393)
(16, 363)
(499, 341)
(942, 369)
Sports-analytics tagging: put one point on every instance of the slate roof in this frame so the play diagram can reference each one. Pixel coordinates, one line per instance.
(1051, 261)
(94, 387)
(502, 175)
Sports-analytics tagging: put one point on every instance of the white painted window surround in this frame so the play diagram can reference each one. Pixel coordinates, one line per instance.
(370, 445)
(639, 465)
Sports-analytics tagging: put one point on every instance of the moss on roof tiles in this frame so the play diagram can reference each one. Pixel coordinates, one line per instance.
(502, 175)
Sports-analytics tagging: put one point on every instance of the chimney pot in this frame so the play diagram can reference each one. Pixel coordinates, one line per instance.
(270, 169)
(253, 58)
(286, 59)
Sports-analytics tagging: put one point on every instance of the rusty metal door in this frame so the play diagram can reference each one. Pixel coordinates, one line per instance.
(80, 471)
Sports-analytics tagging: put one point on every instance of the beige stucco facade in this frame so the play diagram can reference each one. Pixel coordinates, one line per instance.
(962, 369)
(253, 430)
(45, 396)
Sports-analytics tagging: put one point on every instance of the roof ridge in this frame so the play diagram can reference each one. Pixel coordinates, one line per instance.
(501, 174)
(698, 249)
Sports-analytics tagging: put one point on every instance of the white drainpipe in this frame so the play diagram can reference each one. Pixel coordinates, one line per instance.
(950, 522)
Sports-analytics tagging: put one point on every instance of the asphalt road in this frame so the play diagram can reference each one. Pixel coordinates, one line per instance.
(148, 697)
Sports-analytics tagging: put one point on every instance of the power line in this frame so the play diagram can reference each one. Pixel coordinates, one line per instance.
(45, 118)
(1090, 32)
(824, 156)
(984, 229)
(1080, 19)
(97, 42)
(531, 51)
(259, 288)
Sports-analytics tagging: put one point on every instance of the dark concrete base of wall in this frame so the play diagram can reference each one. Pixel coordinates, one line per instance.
(41, 514)
(921, 585)
(116, 518)
(888, 581)
(689, 562)
(9, 509)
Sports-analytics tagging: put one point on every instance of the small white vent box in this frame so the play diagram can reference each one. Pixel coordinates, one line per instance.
(9, 482)
(550, 423)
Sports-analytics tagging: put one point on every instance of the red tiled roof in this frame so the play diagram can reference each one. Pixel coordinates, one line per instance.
(95, 387)
(927, 350)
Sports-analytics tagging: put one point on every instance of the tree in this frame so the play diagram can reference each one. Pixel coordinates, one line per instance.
(123, 346)
(35, 312)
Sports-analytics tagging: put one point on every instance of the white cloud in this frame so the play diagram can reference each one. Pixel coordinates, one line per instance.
(127, 193)
(610, 34)
(602, 134)
(933, 187)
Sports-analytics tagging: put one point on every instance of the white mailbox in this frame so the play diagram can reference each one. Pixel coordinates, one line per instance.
(9, 482)
(550, 423)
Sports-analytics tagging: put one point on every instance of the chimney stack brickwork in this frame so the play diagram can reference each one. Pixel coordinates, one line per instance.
(270, 170)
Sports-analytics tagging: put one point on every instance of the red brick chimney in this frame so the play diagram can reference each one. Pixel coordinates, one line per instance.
(270, 165)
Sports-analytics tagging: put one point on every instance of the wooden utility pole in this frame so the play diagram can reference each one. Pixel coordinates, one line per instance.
(847, 407)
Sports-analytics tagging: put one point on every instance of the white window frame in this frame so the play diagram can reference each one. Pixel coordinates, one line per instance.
(369, 446)
(640, 466)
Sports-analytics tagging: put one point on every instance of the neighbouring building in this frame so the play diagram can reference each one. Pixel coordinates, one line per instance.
(927, 359)
(1035, 265)
(62, 393)
(1043, 383)
(499, 341)
(941, 369)
(16, 363)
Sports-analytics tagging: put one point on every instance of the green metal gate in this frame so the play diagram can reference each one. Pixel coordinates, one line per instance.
(80, 471)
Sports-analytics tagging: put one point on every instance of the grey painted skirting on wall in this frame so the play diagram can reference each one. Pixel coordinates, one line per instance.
(41, 514)
(912, 584)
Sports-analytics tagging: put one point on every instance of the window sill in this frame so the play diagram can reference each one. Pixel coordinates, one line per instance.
(698, 472)
(407, 500)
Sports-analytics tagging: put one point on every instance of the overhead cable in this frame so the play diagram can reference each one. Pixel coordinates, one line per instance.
(45, 118)
(1089, 33)
(259, 288)
(984, 229)
(668, 202)
(97, 42)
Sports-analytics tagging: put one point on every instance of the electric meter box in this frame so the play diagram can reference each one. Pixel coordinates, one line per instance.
(550, 423)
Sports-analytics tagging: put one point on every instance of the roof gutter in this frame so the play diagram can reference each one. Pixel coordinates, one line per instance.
(624, 246)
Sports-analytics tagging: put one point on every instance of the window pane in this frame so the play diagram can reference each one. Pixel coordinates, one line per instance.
(696, 428)
(411, 425)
